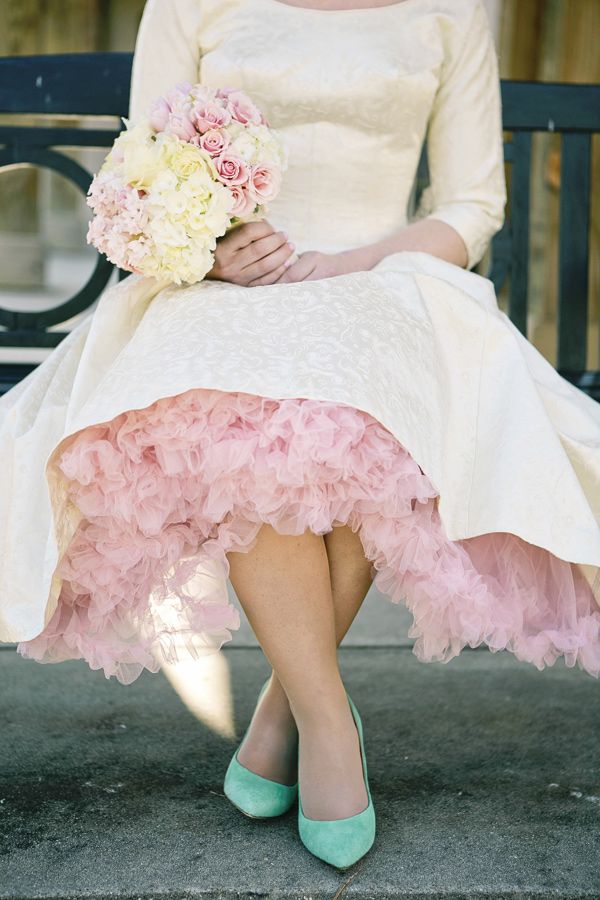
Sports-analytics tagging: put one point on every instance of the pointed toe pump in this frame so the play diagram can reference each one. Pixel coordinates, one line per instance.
(341, 842)
(254, 795)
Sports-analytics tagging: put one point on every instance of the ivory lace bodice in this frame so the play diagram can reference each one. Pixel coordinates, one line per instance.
(354, 93)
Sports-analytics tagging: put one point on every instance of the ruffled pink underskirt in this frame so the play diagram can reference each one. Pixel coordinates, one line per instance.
(169, 488)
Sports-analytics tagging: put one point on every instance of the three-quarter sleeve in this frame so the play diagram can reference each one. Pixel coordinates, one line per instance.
(167, 51)
(467, 185)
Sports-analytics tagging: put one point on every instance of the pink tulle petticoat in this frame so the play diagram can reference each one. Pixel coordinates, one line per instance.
(179, 484)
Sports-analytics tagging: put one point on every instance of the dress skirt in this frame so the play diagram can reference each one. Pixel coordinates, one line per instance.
(194, 476)
(154, 496)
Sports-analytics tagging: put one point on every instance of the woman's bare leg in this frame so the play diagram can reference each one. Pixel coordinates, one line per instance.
(350, 573)
(284, 586)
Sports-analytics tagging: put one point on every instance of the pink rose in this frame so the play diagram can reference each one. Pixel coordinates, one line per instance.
(243, 109)
(214, 141)
(231, 169)
(244, 203)
(226, 91)
(264, 182)
(159, 114)
(210, 115)
(181, 127)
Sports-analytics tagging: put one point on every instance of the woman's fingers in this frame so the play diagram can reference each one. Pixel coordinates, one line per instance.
(245, 234)
(271, 278)
(266, 265)
(259, 248)
(301, 269)
(252, 253)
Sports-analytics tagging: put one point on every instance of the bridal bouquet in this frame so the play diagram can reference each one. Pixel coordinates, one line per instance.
(203, 161)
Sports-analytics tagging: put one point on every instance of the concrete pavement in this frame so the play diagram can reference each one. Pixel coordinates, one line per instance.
(485, 774)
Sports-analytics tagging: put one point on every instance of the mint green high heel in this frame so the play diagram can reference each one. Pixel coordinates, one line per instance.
(341, 842)
(254, 795)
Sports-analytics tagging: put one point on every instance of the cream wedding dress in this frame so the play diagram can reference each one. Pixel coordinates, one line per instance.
(173, 421)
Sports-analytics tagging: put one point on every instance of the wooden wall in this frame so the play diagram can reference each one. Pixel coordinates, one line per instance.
(554, 40)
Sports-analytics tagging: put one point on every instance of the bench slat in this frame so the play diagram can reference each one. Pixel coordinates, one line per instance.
(573, 267)
(550, 106)
(83, 84)
(519, 227)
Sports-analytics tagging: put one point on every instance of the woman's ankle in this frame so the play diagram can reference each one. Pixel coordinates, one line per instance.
(322, 707)
(325, 702)
(277, 697)
(330, 771)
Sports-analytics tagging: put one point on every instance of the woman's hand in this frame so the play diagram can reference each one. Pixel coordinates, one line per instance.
(252, 254)
(313, 264)
(425, 236)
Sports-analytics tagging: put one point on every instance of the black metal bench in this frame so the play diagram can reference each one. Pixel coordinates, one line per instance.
(98, 84)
